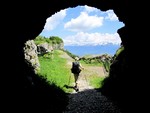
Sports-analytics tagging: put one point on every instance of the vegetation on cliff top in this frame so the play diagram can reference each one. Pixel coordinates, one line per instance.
(51, 40)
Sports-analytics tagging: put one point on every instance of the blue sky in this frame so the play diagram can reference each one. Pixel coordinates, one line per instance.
(84, 25)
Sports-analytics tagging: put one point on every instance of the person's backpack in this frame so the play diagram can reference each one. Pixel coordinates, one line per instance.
(75, 68)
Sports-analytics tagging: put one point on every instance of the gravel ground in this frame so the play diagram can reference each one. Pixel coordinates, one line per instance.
(90, 101)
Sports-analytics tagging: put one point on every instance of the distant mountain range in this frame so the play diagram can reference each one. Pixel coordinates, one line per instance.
(93, 50)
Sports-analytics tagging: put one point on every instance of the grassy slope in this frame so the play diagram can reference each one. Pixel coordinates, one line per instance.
(56, 70)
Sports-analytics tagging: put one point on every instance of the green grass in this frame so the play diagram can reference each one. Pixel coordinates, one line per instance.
(55, 70)
(58, 72)
(96, 81)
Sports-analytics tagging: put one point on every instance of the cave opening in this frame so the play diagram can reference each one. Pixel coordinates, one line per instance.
(76, 30)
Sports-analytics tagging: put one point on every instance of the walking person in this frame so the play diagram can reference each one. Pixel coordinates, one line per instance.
(76, 69)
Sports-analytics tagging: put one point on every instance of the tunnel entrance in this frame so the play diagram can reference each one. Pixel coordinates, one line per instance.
(79, 32)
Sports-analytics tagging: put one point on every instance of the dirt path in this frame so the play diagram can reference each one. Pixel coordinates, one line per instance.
(69, 59)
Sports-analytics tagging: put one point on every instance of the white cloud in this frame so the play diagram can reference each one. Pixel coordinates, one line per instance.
(54, 20)
(84, 22)
(111, 15)
(89, 9)
(82, 38)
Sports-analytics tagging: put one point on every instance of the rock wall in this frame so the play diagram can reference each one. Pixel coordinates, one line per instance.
(31, 55)
(45, 47)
